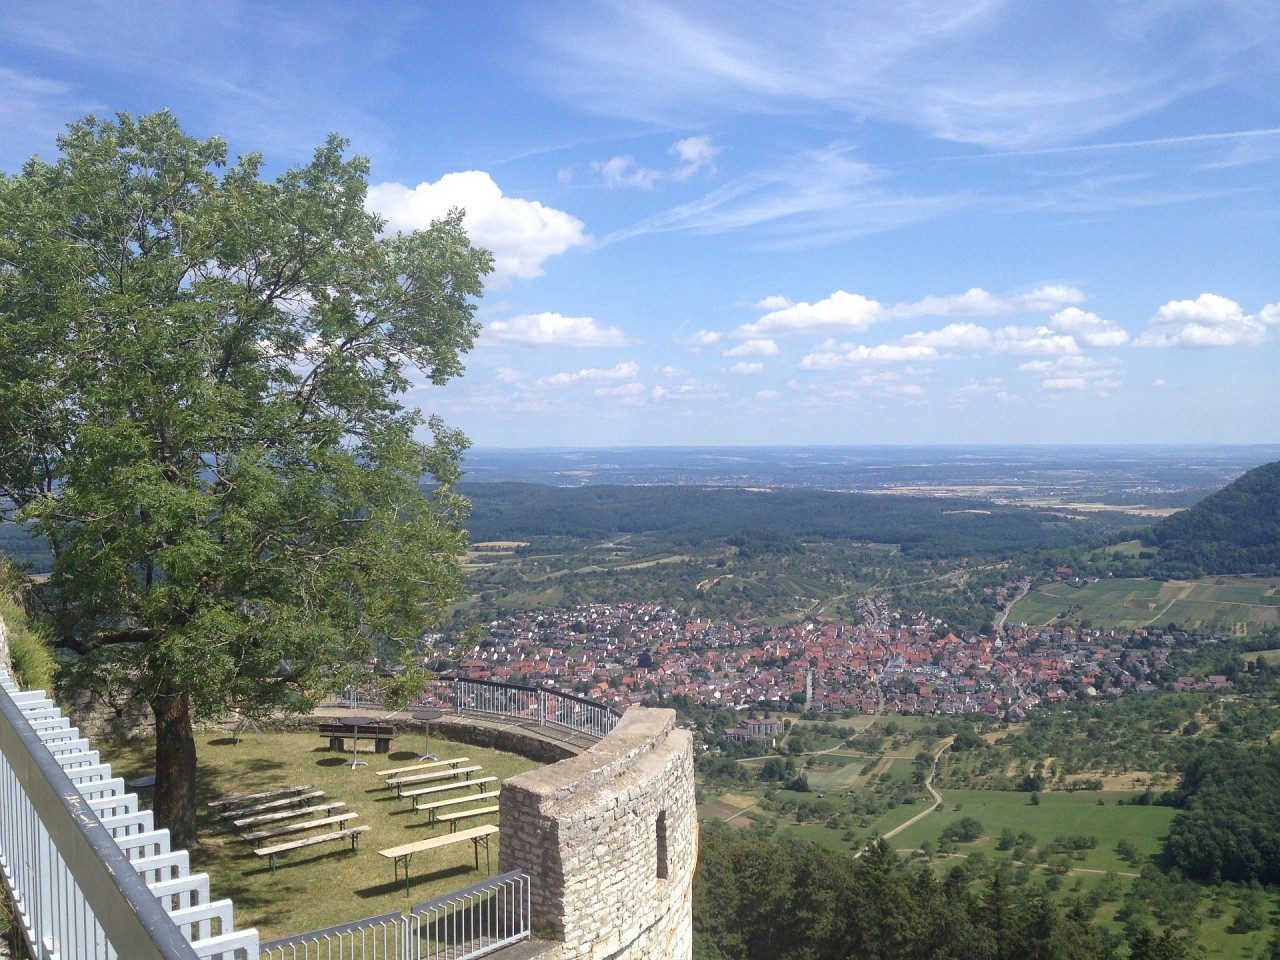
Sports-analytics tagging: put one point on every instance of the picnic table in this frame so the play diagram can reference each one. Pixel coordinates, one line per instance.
(404, 853)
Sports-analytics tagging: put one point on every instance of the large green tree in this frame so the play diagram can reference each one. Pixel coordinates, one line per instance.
(200, 382)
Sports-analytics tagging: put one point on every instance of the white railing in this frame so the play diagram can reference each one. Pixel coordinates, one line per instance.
(89, 876)
(464, 924)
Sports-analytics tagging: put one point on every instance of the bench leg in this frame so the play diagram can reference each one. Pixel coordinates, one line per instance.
(337, 744)
(405, 858)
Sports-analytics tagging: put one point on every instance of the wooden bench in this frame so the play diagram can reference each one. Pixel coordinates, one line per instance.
(353, 833)
(339, 819)
(435, 805)
(396, 771)
(288, 814)
(227, 802)
(478, 783)
(399, 782)
(453, 817)
(404, 853)
(380, 733)
(302, 798)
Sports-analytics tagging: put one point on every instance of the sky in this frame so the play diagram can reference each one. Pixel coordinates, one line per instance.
(723, 223)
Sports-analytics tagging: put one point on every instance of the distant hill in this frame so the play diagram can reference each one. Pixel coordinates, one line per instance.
(1233, 531)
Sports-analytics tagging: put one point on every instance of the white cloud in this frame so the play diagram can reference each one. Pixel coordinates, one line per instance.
(774, 302)
(670, 371)
(689, 390)
(767, 395)
(1031, 341)
(954, 336)
(700, 338)
(829, 356)
(1074, 373)
(1088, 328)
(623, 172)
(522, 234)
(508, 375)
(1207, 321)
(977, 302)
(747, 368)
(553, 330)
(839, 313)
(754, 348)
(694, 153)
(623, 371)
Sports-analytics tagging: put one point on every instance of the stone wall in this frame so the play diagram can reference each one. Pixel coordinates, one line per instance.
(610, 838)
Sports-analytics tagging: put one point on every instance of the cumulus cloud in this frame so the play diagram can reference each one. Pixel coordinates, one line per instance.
(830, 355)
(954, 336)
(747, 368)
(1207, 321)
(773, 303)
(623, 172)
(839, 313)
(754, 348)
(522, 234)
(623, 371)
(1089, 329)
(1031, 341)
(977, 302)
(553, 330)
(670, 371)
(509, 375)
(694, 154)
(700, 338)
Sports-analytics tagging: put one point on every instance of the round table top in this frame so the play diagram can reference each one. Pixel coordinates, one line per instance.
(427, 714)
(357, 721)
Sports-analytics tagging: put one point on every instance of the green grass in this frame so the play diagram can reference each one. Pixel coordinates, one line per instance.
(1126, 604)
(322, 885)
(1057, 814)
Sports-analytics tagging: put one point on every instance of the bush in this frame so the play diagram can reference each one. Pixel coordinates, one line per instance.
(32, 655)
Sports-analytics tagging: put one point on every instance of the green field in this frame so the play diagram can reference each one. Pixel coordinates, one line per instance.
(1224, 604)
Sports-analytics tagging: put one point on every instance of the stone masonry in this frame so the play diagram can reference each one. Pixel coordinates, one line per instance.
(610, 838)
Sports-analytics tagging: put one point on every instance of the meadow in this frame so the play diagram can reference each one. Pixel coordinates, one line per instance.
(326, 884)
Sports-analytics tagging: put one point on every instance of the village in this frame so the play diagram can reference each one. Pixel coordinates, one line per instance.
(893, 662)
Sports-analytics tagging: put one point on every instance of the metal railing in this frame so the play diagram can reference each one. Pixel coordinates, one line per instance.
(464, 924)
(535, 705)
(89, 877)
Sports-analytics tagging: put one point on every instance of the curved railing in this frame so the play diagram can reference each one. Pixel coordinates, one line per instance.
(540, 706)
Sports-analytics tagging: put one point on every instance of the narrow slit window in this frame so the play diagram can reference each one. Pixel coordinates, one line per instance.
(662, 845)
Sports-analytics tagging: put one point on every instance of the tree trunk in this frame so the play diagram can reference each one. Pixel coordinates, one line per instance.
(175, 790)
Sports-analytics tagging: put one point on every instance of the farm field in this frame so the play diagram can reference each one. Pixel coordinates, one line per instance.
(1220, 603)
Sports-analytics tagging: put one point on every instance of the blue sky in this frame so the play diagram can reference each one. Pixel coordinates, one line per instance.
(770, 223)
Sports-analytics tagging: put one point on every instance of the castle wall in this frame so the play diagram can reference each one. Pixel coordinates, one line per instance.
(610, 838)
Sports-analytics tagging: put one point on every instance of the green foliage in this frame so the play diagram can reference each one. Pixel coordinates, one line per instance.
(29, 648)
(1236, 530)
(1229, 825)
(756, 899)
(199, 375)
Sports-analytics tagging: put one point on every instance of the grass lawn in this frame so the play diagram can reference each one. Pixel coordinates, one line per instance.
(1058, 814)
(321, 885)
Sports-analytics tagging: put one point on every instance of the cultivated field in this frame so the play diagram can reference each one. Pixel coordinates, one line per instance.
(1223, 603)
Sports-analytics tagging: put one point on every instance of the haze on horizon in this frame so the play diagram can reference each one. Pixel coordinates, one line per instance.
(765, 223)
